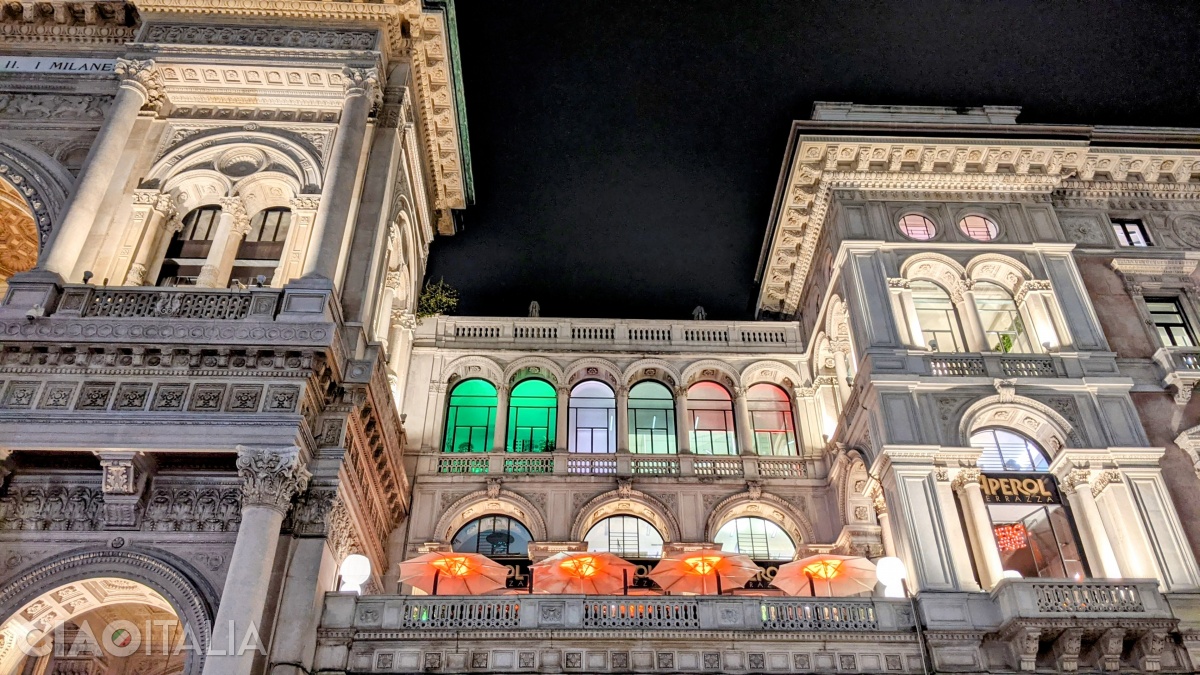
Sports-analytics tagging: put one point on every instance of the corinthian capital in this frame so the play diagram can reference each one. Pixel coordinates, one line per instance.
(236, 208)
(965, 477)
(309, 516)
(363, 81)
(144, 77)
(271, 476)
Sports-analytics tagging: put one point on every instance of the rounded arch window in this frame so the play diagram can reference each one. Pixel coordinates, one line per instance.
(494, 535)
(1002, 323)
(917, 226)
(189, 247)
(651, 419)
(772, 420)
(592, 418)
(979, 228)
(261, 249)
(470, 417)
(1004, 450)
(756, 537)
(710, 419)
(937, 319)
(627, 536)
(532, 416)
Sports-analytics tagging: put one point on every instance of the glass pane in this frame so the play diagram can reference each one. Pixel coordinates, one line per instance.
(470, 417)
(758, 538)
(493, 536)
(936, 317)
(916, 226)
(979, 228)
(651, 419)
(625, 536)
(532, 418)
(1005, 450)
(1002, 325)
(592, 418)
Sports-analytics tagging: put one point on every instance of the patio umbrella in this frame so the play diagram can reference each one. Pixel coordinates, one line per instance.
(453, 573)
(829, 575)
(703, 572)
(580, 572)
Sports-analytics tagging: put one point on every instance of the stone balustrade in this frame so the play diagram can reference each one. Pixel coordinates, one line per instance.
(1180, 369)
(612, 335)
(1050, 598)
(616, 464)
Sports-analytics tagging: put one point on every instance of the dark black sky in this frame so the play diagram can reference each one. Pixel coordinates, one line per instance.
(625, 153)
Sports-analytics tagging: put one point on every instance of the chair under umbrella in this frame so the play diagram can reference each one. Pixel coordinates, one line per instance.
(829, 575)
(582, 572)
(453, 573)
(703, 572)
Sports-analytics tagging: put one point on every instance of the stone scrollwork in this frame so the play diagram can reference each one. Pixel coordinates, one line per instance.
(143, 76)
(271, 476)
(310, 515)
(343, 539)
(50, 507)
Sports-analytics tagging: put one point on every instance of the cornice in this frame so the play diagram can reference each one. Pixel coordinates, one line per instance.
(821, 165)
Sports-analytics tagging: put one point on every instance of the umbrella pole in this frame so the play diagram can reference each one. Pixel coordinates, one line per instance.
(625, 581)
(812, 585)
(718, 583)
(531, 581)
(436, 574)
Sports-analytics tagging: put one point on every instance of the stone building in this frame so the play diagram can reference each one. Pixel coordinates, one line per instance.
(974, 352)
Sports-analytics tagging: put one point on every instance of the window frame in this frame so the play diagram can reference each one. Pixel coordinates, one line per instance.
(695, 409)
(963, 230)
(174, 260)
(1120, 229)
(625, 519)
(514, 418)
(957, 332)
(452, 417)
(772, 406)
(670, 441)
(494, 518)
(574, 413)
(934, 230)
(766, 538)
(1022, 342)
(1184, 317)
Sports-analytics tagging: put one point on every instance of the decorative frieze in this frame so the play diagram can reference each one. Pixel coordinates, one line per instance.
(50, 507)
(180, 508)
(54, 106)
(261, 36)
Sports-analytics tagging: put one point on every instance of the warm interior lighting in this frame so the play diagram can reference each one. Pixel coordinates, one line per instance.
(824, 569)
(455, 566)
(581, 568)
(1011, 537)
(704, 564)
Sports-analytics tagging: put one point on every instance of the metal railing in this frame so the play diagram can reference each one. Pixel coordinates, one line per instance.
(460, 613)
(615, 464)
(819, 615)
(87, 301)
(993, 365)
(640, 613)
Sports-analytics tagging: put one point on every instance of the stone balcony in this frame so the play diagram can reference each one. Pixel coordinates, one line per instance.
(617, 464)
(604, 335)
(595, 634)
(1180, 369)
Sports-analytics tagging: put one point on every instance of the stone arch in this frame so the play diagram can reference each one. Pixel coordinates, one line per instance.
(1026, 416)
(822, 355)
(998, 269)
(239, 153)
(772, 372)
(469, 367)
(528, 367)
(626, 502)
(491, 502)
(940, 269)
(266, 190)
(594, 369)
(178, 584)
(40, 180)
(651, 369)
(201, 187)
(757, 503)
(19, 239)
(712, 370)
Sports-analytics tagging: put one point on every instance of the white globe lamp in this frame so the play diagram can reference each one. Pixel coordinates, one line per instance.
(355, 571)
(890, 572)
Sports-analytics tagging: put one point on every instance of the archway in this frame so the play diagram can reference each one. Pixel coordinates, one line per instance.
(18, 234)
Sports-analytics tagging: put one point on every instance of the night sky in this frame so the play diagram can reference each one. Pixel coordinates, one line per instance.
(625, 153)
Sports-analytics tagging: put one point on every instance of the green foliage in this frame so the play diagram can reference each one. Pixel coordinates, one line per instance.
(437, 298)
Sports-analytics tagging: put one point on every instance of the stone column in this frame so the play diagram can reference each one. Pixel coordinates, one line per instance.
(622, 419)
(957, 545)
(155, 211)
(979, 526)
(500, 442)
(842, 372)
(403, 325)
(311, 573)
(972, 326)
(1120, 518)
(233, 225)
(562, 419)
(683, 427)
(141, 86)
(1034, 304)
(337, 189)
(885, 525)
(270, 478)
(291, 263)
(1102, 560)
(742, 424)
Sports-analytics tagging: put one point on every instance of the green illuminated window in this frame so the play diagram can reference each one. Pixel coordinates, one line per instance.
(532, 417)
(651, 419)
(471, 417)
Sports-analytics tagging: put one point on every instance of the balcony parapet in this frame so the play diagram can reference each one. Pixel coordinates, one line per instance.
(601, 335)
(616, 464)
(1181, 370)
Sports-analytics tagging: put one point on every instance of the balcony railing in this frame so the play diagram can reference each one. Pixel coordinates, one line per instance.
(602, 334)
(567, 612)
(1042, 598)
(1181, 370)
(615, 464)
(88, 301)
(993, 365)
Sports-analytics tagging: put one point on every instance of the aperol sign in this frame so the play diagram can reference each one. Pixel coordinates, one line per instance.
(1019, 488)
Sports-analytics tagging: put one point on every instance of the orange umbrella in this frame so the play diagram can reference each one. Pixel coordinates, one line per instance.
(453, 573)
(836, 575)
(703, 572)
(579, 572)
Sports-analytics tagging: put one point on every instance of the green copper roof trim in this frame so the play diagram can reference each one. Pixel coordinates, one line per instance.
(460, 101)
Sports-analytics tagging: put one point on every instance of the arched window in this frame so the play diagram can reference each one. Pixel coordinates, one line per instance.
(758, 538)
(917, 226)
(936, 317)
(499, 536)
(651, 419)
(189, 247)
(259, 252)
(710, 419)
(532, 417)
(1002, 324)
(979, 228)
(626, 536)
(771, 416)
(471, 417)
(1032, 527)
(592, 417)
